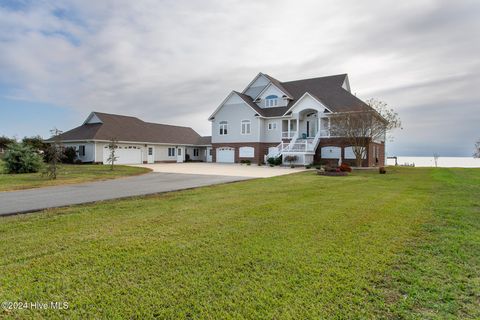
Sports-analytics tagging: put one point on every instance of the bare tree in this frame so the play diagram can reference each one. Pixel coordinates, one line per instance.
(435, 158)
(476, 153)
(362, 127)
(112, 147)
(54, 154)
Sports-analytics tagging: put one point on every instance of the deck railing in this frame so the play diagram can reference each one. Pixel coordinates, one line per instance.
(288, 135)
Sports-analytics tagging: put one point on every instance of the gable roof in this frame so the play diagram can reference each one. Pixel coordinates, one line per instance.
(329, 90)
(132, 129)
(279, 85)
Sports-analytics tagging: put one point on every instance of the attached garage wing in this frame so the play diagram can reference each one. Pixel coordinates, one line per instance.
(226, 155)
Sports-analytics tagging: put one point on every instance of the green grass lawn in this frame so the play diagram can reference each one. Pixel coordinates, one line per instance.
(401, 245)
(68, 174)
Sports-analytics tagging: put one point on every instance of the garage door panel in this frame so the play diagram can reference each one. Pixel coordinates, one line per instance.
(124, 156)
(226, 155)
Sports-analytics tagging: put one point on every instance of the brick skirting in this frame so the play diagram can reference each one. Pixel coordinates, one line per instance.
(261, 149)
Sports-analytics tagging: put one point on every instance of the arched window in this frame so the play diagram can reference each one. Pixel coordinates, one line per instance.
(246, 126)
(271, 101)
(223, 128)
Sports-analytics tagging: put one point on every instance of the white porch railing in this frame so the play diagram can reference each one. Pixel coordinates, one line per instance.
(288, 135)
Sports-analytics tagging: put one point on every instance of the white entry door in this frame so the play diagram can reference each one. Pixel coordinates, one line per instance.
(208, 154)
(226, 155)
(150, 154)
(180, 154)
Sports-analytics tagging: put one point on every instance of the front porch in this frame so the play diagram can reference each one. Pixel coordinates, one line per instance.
(306, 125)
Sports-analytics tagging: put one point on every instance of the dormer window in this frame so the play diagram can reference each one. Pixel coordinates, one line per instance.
(271, 101)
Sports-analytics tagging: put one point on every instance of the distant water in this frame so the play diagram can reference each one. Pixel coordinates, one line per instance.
(445, 162)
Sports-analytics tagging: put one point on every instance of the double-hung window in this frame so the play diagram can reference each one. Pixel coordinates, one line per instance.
(195, 152)
(246, 126)
(223, 128)
(171, 152)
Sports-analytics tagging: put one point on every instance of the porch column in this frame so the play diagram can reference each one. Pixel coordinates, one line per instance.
(318, 122)
(298, 125)
(288, 129)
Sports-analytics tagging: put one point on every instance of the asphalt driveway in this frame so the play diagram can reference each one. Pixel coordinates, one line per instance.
(14, 202)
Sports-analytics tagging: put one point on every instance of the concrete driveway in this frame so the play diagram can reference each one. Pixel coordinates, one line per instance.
(23, 201)
(221, 169)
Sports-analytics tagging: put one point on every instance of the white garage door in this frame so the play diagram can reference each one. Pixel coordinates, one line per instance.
(226, 155)
(125, 155)
(331, 152)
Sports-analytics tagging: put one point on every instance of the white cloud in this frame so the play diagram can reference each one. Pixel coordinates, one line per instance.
(174, 61)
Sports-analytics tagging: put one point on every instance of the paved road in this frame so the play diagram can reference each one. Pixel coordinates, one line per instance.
(31, 200)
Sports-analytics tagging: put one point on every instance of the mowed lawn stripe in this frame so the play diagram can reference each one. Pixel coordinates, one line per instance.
(297, 246)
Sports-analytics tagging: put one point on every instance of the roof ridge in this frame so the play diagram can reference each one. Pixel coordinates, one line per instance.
(315, 78)
(113, 114)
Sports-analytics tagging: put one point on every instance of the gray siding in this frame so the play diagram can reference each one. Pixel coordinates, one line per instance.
(234, 114)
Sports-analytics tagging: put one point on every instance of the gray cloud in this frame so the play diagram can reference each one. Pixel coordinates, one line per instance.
(175, 61)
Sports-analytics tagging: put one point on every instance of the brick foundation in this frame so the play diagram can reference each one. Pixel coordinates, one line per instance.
(261, 149)
(374, 157)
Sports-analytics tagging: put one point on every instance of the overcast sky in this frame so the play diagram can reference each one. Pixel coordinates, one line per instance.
(175, 61)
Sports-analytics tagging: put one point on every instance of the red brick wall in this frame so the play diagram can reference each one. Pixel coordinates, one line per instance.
(260, 148)
(370, 161)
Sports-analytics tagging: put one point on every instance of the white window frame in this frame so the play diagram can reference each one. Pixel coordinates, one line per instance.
(244, 125)
(271, 102)
(171, 151)
(195, 152)
(272, 126)
(81, 150)
(223, 128)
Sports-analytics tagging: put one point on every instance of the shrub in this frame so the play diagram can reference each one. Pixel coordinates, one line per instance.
(69, 155)
(275, 161)
(344, 167)
(21, 158)
(278, 161)
(382, 170)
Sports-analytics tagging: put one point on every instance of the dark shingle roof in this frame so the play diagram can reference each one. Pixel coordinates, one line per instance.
(279, 85)
(327, 90)
(205, 141)
(125, 128)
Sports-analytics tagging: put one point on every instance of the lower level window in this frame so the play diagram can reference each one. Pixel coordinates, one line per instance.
(195, 152)
(81, 151)
(171, 152)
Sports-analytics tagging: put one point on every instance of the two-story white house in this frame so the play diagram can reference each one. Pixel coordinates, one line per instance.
(271, 118)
